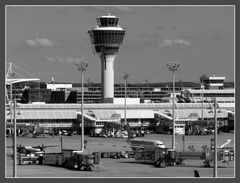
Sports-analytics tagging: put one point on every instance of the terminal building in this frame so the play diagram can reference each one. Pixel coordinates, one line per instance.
(147, 107)
(212, 87)
(148, 116)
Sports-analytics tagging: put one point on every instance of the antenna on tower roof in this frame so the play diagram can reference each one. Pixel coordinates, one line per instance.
(108, 12)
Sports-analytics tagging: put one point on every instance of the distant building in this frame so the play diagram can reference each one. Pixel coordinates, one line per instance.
(212, 87)
(57, 87)
(212, 82)
(36, 95)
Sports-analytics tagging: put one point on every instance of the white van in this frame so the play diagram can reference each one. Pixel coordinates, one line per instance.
(180, 129)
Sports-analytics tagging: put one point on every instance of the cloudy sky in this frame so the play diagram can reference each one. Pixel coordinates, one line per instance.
(47, 41)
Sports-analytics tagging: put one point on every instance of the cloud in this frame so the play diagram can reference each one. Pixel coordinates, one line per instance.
(182, 41)
(169, 42)
(39, 42)
(67, 60)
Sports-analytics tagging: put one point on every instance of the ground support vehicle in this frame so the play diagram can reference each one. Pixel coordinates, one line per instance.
(80, 162)
(28, 160)
(53, 159)
(72, 159)
(162, 157)
(157, 156)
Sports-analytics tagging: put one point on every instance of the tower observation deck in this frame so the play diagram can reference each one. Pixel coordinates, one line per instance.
(106, 39)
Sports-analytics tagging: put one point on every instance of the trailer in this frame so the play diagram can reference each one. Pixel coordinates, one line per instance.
(72, 159)
(80, 161)
(162, 157)
(157, 156)
(53, 159)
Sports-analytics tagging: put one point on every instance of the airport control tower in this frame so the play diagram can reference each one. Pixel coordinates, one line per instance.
(106, 39)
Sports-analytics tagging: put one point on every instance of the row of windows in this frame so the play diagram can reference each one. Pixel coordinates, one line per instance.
(108, 36)
(31, 121)
(213, 81)
(213, 95)
(106, 49)
(134, 88)
(146, 94)
(107, 22)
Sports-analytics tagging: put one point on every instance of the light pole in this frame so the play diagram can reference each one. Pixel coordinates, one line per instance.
(125, 102)
(215, 138)
(15, 140)
(12, 109)
(202, 87)
(173, 67)
(13, 120)
(202, 102)
(215, 104)
(82, 66)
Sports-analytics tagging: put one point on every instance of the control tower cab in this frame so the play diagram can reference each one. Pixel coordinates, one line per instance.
(212, 82)
(106, 39)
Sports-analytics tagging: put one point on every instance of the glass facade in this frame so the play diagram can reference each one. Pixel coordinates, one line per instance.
(107, 21)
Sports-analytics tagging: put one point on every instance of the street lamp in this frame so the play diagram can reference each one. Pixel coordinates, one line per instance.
(13, 120)
(202, 87)
(125, 105)
(82, 66)
(215, 104)
(173, 67)
(15, 138)
(12, 107)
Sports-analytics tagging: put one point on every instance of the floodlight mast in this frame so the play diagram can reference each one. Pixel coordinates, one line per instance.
(202, 88)
(106, 39)
(125, 98)
(173, 67)
(82, 66)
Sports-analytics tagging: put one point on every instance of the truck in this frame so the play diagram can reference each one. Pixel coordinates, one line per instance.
(72, 159)
(80, 161)
(96, 132)
(156, 156)
(162, 157)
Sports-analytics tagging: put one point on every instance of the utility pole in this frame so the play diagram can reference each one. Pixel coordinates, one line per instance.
(173, 67)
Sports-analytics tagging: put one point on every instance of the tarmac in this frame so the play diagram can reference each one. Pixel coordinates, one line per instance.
(119, 168)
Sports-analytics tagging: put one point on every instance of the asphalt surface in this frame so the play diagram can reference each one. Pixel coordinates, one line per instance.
(120, 168)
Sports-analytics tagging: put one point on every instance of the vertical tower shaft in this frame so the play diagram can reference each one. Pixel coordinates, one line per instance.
(107, 77)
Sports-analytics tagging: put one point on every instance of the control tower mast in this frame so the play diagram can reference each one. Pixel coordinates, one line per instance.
(106, 39)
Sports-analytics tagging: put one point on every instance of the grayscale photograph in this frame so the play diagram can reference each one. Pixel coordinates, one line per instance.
(124, 91)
